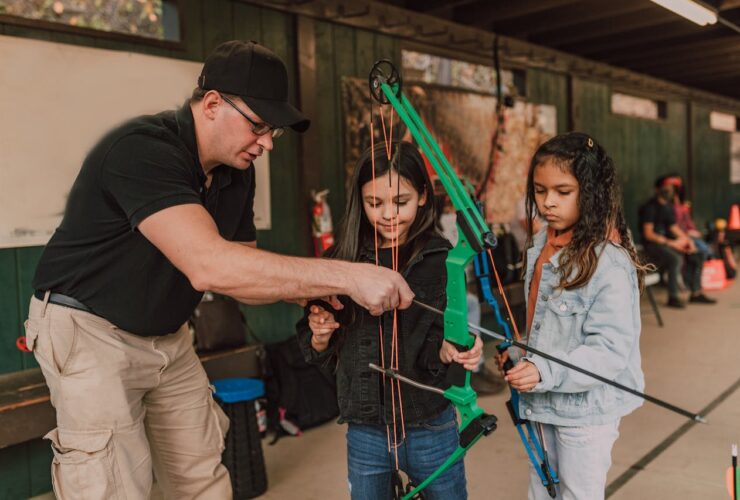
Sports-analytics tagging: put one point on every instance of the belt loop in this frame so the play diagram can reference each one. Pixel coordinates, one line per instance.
(47, 294)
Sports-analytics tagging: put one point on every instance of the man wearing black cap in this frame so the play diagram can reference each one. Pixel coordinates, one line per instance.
(162, 210)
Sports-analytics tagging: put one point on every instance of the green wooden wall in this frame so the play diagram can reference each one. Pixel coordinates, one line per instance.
(341, 52)
(642, 150)
(710, 156)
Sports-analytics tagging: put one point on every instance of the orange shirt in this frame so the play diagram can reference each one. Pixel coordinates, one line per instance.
(552, 246)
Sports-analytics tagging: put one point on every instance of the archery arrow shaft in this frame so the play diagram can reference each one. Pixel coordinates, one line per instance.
(646, 397)
(394, 374)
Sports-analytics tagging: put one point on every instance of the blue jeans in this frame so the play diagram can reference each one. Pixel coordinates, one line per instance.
(426, 447)
(703, 248)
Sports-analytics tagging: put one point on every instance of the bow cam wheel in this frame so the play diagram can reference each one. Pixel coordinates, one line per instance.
(384, 72)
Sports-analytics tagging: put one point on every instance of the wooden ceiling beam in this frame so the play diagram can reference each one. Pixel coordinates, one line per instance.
(696, 64)
(587, 32)
(565, 16)
(645, 57)
(487, 12)
(729, 4)
(720, 74)
(630, 40)
(435, 6)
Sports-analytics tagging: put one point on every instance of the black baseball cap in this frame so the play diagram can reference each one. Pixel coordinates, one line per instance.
(258, 77)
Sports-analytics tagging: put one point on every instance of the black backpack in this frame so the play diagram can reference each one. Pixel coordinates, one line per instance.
(302, 394)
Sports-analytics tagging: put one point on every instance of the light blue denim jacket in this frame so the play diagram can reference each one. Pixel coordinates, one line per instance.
(596, 327)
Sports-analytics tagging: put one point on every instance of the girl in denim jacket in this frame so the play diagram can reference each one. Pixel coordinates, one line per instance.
(583, 279)
(390, 206)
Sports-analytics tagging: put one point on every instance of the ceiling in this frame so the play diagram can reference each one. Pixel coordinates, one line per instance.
(634, 34)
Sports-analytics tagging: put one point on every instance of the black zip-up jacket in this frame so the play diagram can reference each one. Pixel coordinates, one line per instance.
(363, 398)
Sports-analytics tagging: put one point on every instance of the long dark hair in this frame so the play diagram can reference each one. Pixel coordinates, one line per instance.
(599, 204)
(355, 231)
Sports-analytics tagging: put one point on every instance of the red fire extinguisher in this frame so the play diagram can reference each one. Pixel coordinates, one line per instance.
(321, 226)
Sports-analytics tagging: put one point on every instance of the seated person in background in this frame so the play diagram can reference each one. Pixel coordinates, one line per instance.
(682, 209)
(667, 245)
(723, 247)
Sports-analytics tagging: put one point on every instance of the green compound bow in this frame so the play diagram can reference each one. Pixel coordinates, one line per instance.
(474, 237)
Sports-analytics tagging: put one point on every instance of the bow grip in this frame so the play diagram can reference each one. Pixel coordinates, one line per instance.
(456, 372)
(502, 348)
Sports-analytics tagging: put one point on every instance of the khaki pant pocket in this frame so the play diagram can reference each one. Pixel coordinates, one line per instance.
(32, 332)
(222, 423)
(83, 464)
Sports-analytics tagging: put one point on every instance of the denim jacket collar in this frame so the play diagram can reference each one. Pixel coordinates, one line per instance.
(538, 243)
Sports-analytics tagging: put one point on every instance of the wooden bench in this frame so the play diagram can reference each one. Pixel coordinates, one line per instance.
(26, 412)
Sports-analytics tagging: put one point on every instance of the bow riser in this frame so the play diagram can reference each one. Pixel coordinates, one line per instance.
(473, 237)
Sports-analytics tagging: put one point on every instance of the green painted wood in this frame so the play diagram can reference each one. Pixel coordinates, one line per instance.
(713, 192)
(39, 463)
(26, 261)
(365, 52)
(344, 66)
(546, 87)
(217, 24)
(10, 321)
(328, 122)
(642, 149)
(386, 47)
(247, 22)
(191, 14)
(35, 33)
(15, 474)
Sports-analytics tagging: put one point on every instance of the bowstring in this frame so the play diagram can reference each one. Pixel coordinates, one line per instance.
(394, 356)
(377, 261)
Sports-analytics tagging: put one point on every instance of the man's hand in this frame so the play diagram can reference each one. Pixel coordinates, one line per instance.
(690, 246)
(524, 376)
(469, 359)
(678, 244)
(322, 325)
(378, 289)
(332, 300)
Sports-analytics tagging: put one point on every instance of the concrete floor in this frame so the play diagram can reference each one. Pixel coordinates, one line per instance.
(691, 362)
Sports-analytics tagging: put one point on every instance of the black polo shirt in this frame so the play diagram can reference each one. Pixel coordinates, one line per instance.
(98, 256)
(660, 215)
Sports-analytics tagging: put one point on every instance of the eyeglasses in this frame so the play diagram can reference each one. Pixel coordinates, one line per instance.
(257, 128)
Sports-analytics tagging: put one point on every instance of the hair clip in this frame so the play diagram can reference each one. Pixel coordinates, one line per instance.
(590, 142)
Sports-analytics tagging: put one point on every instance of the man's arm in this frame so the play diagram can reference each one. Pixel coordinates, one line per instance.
(676, 230)
(682, 243)
(189, 238)
(648, 231)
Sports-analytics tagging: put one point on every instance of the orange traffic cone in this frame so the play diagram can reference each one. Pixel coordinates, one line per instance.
(734, 222)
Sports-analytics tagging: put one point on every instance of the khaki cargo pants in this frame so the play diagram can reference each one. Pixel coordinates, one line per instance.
(126, 405)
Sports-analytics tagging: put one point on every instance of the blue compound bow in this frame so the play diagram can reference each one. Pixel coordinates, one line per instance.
(531, 439)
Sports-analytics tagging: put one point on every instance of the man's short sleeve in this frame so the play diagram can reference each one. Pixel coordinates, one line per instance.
(146, 174)
(247, 231)
(648, 214)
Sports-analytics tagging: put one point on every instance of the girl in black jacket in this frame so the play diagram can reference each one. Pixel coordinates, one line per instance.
(390, 221)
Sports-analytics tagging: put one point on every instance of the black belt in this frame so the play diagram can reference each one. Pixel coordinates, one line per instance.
(62, 300)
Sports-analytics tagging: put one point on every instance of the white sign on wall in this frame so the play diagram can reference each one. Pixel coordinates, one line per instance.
(56, 101)
(735, 158)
